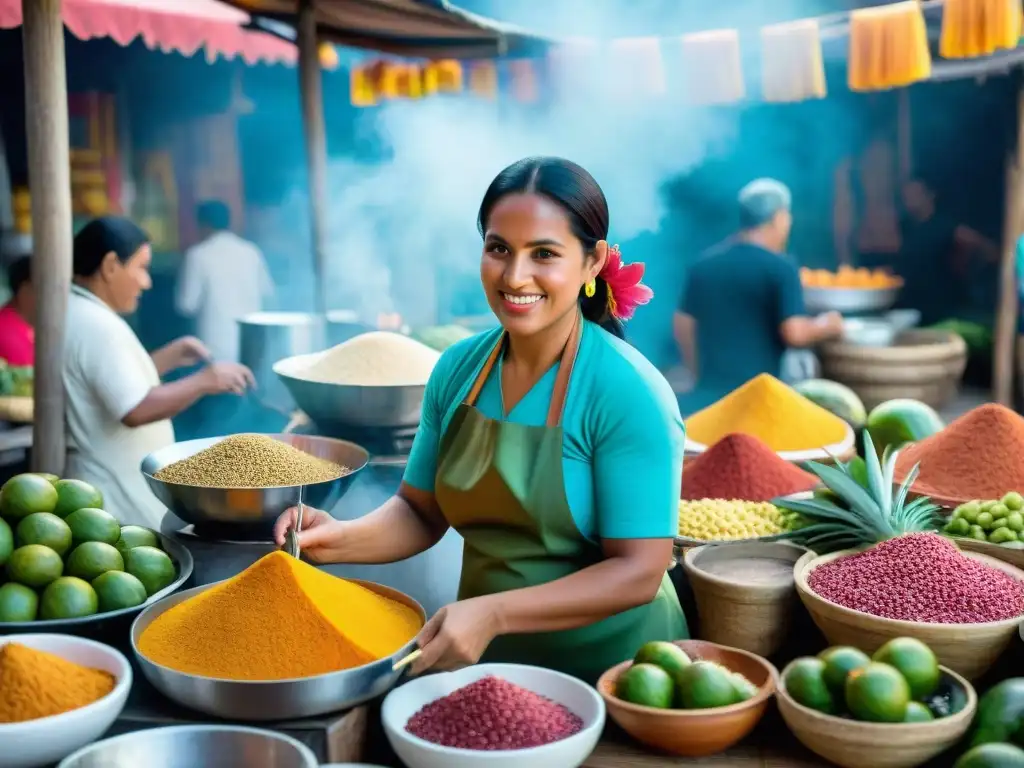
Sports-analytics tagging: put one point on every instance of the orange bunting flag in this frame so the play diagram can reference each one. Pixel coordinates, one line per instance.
(443, 76)
(523, 76)
(408, 81)
(576, 67)
(712, 67)
(972, 28)
(792, 68)
(635, 66)
(888, 47)
(362, 89)
(483, 79)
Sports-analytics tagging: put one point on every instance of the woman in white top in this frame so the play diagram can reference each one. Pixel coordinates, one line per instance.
(118, 411)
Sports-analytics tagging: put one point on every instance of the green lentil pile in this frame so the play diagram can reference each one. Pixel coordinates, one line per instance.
(251, 461)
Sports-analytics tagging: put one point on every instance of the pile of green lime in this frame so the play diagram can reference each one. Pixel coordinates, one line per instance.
(900, 683)
(665, 677)
(999, 521)
(63, 557)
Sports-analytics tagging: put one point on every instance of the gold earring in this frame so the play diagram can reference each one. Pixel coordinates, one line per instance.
(590, 288)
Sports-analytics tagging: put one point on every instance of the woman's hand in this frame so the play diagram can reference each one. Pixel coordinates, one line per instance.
(319, 536)
(457, 635)
(188, 350)
(222, 378)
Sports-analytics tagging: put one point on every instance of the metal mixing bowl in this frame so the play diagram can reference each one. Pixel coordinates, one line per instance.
(250, 507)
(356, 406)
(849, 300)
(291, 699)
(182, 562)
(195, 746)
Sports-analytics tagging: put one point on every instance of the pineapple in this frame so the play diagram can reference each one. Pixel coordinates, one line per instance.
(861, 513)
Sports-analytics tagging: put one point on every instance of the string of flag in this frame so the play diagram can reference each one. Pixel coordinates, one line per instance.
(887, 48)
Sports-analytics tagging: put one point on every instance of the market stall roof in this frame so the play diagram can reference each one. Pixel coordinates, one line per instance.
(183, 26)
(411, 28)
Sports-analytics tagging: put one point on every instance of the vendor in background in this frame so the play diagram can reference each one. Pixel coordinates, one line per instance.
(743, 304)
(223, 279)
(552, 446)
(17, 336)
(117, 409)
(934, 255)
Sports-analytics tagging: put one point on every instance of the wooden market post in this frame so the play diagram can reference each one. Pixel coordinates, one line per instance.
(1004, 342)
(315, 132)
(46, 118)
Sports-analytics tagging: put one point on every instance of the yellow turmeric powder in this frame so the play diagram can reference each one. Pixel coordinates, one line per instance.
(278, 619)
(35, 684)
(774, 413)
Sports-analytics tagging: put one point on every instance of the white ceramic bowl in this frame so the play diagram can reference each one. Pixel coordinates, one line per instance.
(50, 739)
(404, 702)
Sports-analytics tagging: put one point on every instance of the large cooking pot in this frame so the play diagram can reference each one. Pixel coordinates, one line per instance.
(266, 337)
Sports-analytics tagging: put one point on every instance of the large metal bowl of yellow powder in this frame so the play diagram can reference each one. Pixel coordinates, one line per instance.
(248, 480)
(282, 640)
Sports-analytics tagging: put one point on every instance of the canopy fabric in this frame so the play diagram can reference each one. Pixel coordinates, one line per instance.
(183, 26)
(410, 28)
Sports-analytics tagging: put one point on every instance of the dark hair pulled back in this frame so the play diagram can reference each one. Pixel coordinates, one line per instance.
(577, 193)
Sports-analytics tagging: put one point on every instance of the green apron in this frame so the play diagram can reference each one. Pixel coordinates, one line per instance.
(500, 486)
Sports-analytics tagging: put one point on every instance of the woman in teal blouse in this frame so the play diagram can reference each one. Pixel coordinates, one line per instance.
(550, 444)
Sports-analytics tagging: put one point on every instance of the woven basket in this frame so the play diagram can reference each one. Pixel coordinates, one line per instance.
(1012, 555)
(922, 364)
(752, 617)
(17, 409)
(969, 649)
(853, 744)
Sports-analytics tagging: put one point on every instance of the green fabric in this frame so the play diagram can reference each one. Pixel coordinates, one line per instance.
(500, 485)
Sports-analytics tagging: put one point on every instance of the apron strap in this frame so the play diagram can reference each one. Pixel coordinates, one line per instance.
(558, 394)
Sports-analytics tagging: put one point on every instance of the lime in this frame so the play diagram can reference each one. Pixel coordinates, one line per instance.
(1013, 501)
(18, 603)
(91, 524)
(68, 598)
(959, 527)
(34, 566)
(877, 693)
(92, 559)
(668, 656)
(992, 756)
(744, 688)
(646, 685)
(136, 536)
(1002, 536)
(840, 661)
(1015, 521)
(73, 495)
(978, 533)
(51, 479)
(969, 512)
(915, 661)
(805, 682)
(152, 567)
(985, 520)
(117, 589)
(47, 529)
(6, 541)
(26, 494)
(917, 713)
(705, 685)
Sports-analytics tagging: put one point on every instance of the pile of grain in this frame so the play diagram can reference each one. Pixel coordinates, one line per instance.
(377, 359)
(251, 461)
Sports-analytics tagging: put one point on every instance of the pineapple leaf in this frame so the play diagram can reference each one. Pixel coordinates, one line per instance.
(876, 478)
(857, 497)
(824, 512)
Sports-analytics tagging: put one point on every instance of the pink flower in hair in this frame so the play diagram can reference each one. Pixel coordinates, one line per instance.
(625, 291)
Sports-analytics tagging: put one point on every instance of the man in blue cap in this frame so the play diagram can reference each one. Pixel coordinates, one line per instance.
(743, 305)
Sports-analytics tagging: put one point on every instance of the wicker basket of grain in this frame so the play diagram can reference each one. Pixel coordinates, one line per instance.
(1012, 553)
(921, 364)
(969, 649)
(375, 379)
(17, 409)
(745, 593)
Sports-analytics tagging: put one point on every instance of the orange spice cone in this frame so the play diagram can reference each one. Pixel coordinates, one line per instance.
(712, 68)
(792, 68)
(636, 66)
(972, 28)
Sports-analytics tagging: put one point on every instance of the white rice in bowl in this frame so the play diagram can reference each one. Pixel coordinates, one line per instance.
(375, 359)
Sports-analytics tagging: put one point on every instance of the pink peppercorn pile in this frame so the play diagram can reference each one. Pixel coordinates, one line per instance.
(493, 714)
(919, 577)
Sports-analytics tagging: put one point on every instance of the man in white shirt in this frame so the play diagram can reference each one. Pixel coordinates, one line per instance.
(223, 279)
(118, 411)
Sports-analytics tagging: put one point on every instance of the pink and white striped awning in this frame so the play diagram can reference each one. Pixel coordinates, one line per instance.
(182, 26)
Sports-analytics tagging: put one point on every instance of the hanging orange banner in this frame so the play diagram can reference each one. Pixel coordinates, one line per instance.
(888, 47)
(972, 28)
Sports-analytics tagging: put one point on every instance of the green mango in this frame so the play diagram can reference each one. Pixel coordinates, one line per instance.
(1000, 714)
